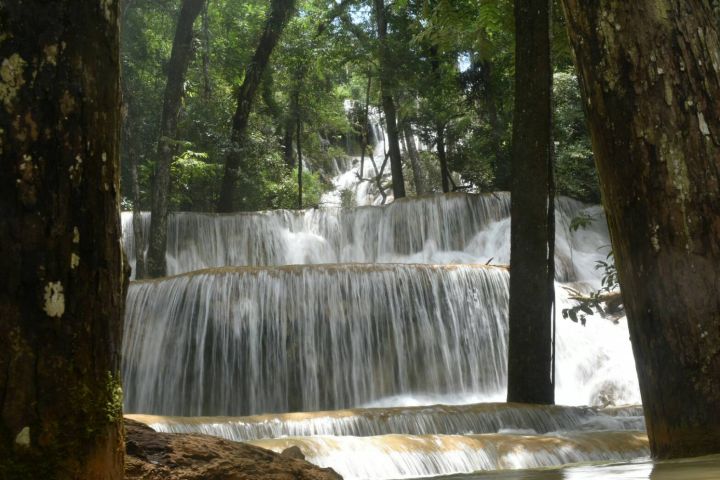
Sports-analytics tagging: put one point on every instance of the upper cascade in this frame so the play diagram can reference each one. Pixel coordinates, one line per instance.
(435, 229)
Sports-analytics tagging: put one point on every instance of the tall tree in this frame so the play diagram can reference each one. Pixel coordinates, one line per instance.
(388, 104)
(530, 362)
(62, 293)
(176, 71)
(650, 73)
(278, 16)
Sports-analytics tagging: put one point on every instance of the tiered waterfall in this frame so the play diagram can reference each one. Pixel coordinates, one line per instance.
(334, 328)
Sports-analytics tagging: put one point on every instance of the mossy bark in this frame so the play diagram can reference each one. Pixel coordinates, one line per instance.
(530, 362)
(650, 72)
(176, 72)
(63, 289)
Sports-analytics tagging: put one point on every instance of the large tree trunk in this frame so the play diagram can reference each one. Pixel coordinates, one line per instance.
(63, 289)
(650, 73)
(388, 104)
(279, 13)
(530, 369)
(176, 71)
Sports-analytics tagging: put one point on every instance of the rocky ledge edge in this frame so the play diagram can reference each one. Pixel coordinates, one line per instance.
(151, 455)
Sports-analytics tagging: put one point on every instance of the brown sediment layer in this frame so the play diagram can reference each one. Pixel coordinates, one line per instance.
(163, 456)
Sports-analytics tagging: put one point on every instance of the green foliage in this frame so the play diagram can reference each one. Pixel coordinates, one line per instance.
(576, 175)
(194, 182)
(582, 220)
(610, 281)
(453, 72)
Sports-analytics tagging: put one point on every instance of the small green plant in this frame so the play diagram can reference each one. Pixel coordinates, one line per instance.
(607, 301)
(347, 198)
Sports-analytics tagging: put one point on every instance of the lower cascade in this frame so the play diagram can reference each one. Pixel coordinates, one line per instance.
(375, 340)
(428, 441)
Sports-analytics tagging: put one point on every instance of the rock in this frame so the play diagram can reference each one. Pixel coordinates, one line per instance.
(151, 455)
(293, 452)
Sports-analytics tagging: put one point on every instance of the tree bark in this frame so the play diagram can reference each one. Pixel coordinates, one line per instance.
(63, 289)
(530, 369)
(650, 74)
(388, 104)
(278, 16)
(177, 70)
(414, 159)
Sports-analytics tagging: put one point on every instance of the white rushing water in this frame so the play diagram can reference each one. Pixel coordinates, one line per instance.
(414, 456)
(439, 229)
(245, 341)
(338, 329)
(433, 419)
(339, 336)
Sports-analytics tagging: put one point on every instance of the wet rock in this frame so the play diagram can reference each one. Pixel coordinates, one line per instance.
(293, 452)
(151, 455)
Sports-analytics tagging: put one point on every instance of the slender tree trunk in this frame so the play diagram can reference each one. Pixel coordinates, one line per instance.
(650, 72)
(177, 70)
(300, 167)
(388, 104)
(530, 375)
(63, 289)
(364, 132)
(442, 156)
(414, 159)
(279, 14)
(207, 83)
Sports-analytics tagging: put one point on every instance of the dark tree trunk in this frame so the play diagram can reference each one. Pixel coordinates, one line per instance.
(530, 369)
(414, 159)
(279, 14)
(650, 75)
(388, 104)
(63, 289)
(177, 70)
(364, 131)
(442, 156)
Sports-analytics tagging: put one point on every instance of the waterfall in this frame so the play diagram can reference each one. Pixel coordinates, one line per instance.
(399, 232)
(435, 419)
(453, 228)
(402, 456)
(252, 340)
(367, 336)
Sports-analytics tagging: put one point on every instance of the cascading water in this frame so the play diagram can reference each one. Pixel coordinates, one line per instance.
(300, 339)
(385, 307)
(435, 419)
